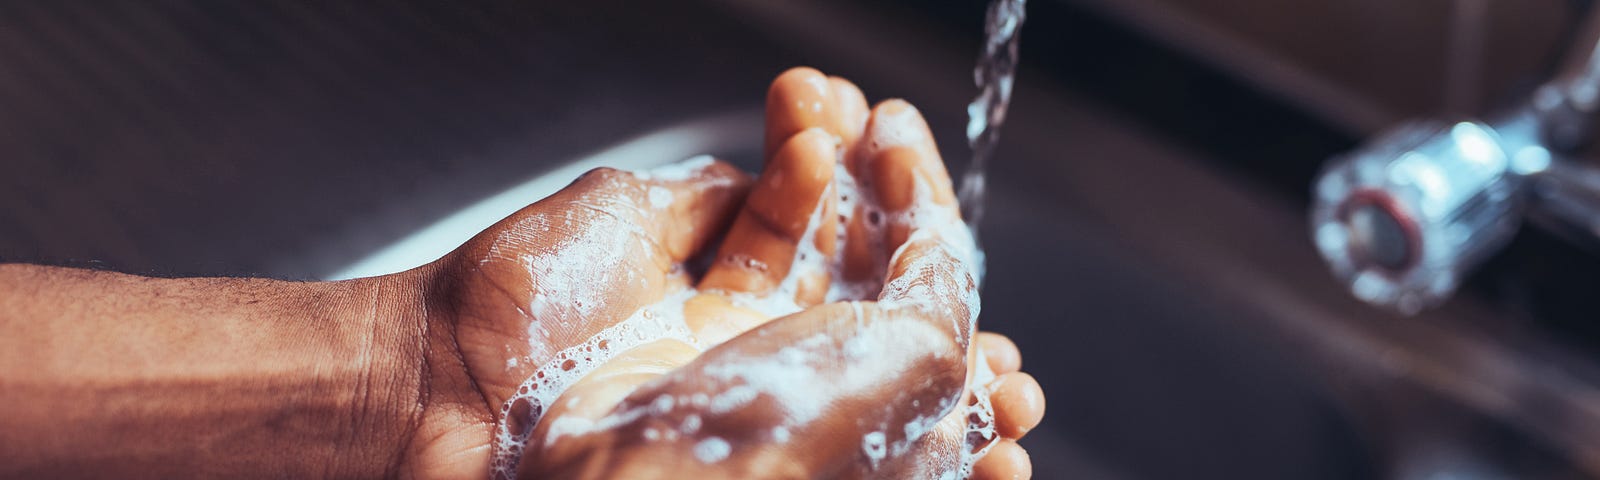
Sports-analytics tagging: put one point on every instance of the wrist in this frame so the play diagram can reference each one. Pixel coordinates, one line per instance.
(447, 418)
(390, 318)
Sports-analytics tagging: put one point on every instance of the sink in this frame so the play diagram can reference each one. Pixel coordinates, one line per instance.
(730, 134)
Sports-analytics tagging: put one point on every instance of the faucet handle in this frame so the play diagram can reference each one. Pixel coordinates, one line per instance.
(1402, 219)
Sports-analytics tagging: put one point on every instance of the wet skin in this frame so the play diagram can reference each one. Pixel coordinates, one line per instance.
(404, 375)
(802, 143)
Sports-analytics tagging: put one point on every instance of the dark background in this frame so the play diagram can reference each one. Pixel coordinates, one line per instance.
(1146, 239)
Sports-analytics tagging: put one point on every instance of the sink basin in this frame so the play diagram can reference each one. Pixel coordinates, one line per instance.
(731, 135)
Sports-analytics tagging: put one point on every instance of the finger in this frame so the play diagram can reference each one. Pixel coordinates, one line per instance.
(799, 98)
(999, 352)
(1005, 461)
(1018, 404)
(781, 230)
(898, 168)
(933, 279)
(803, 98)
(900, 152)
(851, 114)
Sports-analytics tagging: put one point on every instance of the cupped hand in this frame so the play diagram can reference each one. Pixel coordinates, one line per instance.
(545, 279)
(852, 239)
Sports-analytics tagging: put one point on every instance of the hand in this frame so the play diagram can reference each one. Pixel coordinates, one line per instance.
(408, 374)
(544, 279)
(839, 390)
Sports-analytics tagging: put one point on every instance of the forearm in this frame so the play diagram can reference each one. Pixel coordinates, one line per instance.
(117, 374)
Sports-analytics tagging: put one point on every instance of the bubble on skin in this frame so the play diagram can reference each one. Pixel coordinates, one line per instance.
(892, 129)
(712, 450)
(797, 358)
(950, 237)
(851, 195)
(873, 445)
(691, 424)
(564, 297)
(751, 263)
(733, 398)
(660, 197)
(788, 378)
(662, 404)
(954, 241)
(981, 435)
(688, 169)
(566, 271)
(662, 320)
(915, 429)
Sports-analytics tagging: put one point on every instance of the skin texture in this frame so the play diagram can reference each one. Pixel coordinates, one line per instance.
(404, 375)
(105, 374)
(902, 173)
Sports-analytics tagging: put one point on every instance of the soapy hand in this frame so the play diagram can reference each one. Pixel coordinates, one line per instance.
(832, 336)
(545, 279)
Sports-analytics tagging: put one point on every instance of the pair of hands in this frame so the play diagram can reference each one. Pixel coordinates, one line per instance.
(879, 385)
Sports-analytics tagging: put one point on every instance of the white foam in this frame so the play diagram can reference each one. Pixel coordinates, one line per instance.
(787, 378)
(687, 169)
(851, 196)
(954, 238)
(873, 445)
(733, 398)
(567, 270)
(980, 434)
(922, 425)
(712, 450)
(897, 129)
(662, 404)
(663, 320)
(660, 197)
(691, 424)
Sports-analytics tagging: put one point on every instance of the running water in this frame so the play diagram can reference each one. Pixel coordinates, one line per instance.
(996, 69)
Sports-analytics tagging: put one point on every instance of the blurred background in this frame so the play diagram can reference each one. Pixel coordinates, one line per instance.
(1147, 233)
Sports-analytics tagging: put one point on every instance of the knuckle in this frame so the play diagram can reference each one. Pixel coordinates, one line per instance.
(606, 178)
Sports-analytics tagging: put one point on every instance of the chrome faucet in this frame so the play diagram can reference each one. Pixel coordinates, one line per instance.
(1403, 218)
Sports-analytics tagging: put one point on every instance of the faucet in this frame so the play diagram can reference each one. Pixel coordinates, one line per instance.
(1404, 217)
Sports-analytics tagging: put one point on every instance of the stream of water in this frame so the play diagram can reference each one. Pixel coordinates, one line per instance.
(997, 66)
